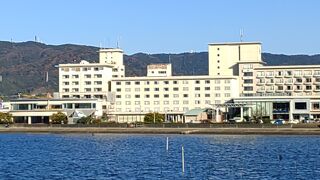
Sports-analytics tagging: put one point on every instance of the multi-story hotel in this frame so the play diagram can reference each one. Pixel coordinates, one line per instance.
(239, 83)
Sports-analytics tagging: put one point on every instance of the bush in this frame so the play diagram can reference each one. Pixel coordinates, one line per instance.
(59, 118)
(88, 120)
(5, 118)
(153, 117)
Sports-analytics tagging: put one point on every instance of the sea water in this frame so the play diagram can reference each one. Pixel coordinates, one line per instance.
(130, 156)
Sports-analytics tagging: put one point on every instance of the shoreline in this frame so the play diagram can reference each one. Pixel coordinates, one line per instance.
(205, 131)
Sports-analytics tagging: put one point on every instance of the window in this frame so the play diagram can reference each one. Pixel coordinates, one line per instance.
(207, 88)
(248, 74)
(156, 102)
(207, 81)
(308, 87)
(197, 88)
(197, 95)
(118, 89)
(185, 95)
(197, 102)
(300, 105)
(128, 103)
(175, 95)
(118, 96)
(156, 89)
(185, 102)
(248, 81)
(146, 89)
(217, 94)
(87, 89)
(98, 83)
(175, 102)
(308, 80)
(128, 83)
(137, 96)
(217, 88)
(147, 96)
(146, 103)
(217, 81)
(226, 94)
(118, 83)
(197, 82)
(75, 76)
(137, 83)
(137, 89)
(65, 83)
(185, 88)
(166, 95)
(128, 96)
(165, 102)
(227, 88)
(87, 82)
(166, 82)
(175, 89)
(166, 89)
(280, 88)
(87, 76)
(289, 87)
(207, 95)
(227, 81)
(98, 75)
(185, 82)
(248, 88)
(207, 102)
(175, 82)
(156, 96)
(156, 82)
(315, 106)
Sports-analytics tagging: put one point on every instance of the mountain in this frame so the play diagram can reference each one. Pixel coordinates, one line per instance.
(23, 66)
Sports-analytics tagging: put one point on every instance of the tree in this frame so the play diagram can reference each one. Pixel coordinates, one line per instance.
(153, 118)
(5, 118)
(59, 118)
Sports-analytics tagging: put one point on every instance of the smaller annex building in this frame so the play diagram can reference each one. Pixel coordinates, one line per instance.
(30, 111)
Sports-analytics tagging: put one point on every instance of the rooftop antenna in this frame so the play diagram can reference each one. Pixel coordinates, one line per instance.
(118, 42)
(241, 35)
(35, 38)
(169, 58)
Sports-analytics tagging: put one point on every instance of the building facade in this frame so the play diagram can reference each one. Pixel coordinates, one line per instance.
(237, 76)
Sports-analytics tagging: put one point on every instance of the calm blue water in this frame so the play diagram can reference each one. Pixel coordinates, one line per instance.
(109, 156)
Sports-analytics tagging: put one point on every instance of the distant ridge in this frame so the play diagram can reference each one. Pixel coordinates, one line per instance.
(24, 65)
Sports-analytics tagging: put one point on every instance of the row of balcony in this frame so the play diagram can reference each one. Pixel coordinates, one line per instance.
(286, 83)
(287, 76)
(288, 90)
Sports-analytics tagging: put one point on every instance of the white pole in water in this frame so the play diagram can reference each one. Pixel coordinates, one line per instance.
(167, 147)
(182, 158)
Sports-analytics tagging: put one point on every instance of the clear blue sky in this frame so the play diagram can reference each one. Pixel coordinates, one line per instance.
(155, 26)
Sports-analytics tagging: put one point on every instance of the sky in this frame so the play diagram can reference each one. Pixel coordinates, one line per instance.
(165, 26)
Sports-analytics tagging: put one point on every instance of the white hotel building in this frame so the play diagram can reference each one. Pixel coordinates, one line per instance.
(237, 76)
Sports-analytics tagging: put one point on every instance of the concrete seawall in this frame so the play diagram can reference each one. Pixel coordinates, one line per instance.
(244, 131)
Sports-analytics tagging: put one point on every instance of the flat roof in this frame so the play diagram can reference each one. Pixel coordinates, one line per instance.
(289, 67)
(86, 65)
(139, 78)
(235, 43)
(47, 99)
(110, 50)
